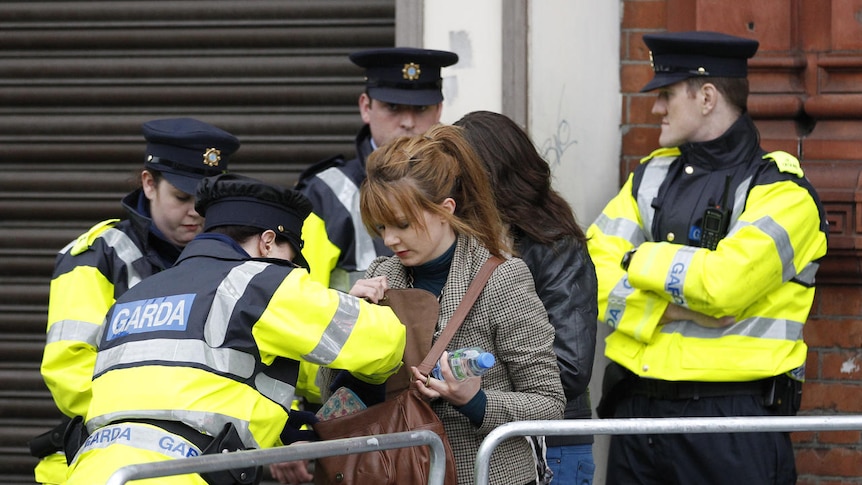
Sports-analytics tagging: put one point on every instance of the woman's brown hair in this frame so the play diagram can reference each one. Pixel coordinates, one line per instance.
(418, 173)
(521, 178)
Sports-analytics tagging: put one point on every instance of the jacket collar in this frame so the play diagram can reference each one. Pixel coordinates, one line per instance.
(736, 146)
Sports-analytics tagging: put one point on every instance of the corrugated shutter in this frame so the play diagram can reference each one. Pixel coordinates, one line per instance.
(77, 80)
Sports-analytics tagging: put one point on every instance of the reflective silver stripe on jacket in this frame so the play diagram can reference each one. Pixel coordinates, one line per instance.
(348, 194)
(676, 273)
(142, 437)
(209, 423)
(126, 250)
(74, 330)
(206, 353)
(617, 301)
(229, 291)
(336, 332)
(781, 239)
(760, 327)
(621, 227)
(654, 174)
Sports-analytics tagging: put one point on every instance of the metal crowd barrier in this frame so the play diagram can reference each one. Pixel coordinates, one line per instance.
(304, 451)
(571, 427)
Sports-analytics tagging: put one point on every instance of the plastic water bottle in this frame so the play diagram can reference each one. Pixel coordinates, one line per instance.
(466, 362)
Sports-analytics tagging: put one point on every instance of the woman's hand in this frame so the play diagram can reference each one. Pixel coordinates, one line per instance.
(371, 289)
(457, 393)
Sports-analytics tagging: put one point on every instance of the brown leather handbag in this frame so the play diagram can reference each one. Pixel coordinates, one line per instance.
(406, 411)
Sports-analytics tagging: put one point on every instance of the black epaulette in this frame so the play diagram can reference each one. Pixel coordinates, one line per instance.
(318, 167)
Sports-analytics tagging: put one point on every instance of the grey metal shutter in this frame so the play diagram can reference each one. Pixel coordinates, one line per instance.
(77, 80)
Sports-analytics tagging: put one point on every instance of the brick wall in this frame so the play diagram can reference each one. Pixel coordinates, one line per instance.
(834, 329)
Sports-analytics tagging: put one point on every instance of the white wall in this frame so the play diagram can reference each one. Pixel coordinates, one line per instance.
(472, 30)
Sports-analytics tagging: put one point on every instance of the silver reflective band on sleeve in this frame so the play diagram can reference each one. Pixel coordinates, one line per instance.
(782, 244)
(74, 330)
(674, 283)
(126, 251)
(654, 174)
(229, 291)
(759, 327)
(277, 391)
(348, 194)
(624, 228)
(617, 301)
(806, 276)
(228, 361)
(336, 332)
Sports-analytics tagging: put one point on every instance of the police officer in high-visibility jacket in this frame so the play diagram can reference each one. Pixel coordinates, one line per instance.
(706, 261)
(92, 271)
(403, 97)
(204, 356)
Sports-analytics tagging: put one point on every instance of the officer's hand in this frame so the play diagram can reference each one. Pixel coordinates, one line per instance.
(292, 472)
(676, 312)
(371, 289)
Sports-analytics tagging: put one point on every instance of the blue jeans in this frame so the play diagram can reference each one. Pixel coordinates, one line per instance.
(572, 464)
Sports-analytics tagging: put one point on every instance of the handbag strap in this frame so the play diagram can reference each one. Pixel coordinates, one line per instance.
(473, 291)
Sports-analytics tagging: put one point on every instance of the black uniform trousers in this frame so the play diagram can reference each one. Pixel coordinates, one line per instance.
(699, 458)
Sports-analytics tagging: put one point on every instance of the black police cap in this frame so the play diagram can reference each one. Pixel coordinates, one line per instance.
(235, 200)
(185, 150)
(676, 56)
(404, 75)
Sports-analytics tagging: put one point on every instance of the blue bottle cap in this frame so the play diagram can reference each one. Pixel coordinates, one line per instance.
(485, 360)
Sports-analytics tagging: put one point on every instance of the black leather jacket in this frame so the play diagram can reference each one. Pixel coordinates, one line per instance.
(566, 283)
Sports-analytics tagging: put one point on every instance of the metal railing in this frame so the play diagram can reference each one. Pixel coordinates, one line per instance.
(304, 451)
(572, 427)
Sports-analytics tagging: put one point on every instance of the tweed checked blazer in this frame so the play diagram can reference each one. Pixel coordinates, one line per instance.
(509, 320)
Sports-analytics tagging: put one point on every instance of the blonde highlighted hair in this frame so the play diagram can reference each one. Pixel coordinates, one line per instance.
(418, 173)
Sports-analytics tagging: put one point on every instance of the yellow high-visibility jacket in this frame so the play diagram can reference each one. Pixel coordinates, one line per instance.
(89, 274)
(337, 246)
(761, 272)
(218, 339)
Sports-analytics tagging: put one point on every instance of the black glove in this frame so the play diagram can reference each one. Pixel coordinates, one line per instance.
(295, 421)
(370, 394)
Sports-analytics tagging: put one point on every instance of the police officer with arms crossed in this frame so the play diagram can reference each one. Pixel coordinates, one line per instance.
(204, 356)
(705, 261)
(92, 271)
(403, 97)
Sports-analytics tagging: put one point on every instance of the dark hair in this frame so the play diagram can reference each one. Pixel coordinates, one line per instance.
(242, 234)
(419, 173)
(135, 181)
(521, 178)
(734, 89)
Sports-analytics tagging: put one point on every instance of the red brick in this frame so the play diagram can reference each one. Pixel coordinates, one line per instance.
(832, 397)
(812, 364)
(841, 365)
(839, 437)
(833, 333)
(640, 142)
(638, 51)
(840, 300)
(640, 110)
(633, 77)
(834, 462)
(644, 15)
(803, 436)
